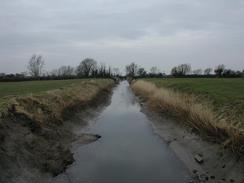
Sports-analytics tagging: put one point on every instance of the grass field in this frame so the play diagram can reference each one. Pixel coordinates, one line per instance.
(221, 90)
(27, 87)
(12, 89)
(224, 93)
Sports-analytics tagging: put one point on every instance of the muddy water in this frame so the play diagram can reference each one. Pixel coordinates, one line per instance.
(128, 152)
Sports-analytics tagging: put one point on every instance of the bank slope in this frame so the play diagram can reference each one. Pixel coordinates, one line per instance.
(34, 136)
(199, 115)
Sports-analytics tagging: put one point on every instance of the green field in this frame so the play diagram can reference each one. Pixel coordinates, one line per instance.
(27, 87)
(224, 93)
(11, 89)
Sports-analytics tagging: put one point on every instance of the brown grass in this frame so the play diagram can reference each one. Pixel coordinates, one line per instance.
(198, 115)
(49, 107)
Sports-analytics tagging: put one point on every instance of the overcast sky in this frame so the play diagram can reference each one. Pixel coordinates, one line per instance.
(161, 33)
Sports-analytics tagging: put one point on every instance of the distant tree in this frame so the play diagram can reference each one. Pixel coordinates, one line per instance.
(232, 73)
(141, 72)
(2, 74)
(174, 71)
(24, 74)
(228, 72)
(116, 72)
(102, 70)
(109, 71)
(65, 71)
(53, 72)
(181, 70)
(184, 69)
(154, 70)
(219, 70)
(208, 71)
(19, 75)
(86, 67)
(35, 65)
(131, 70)
(197, 72)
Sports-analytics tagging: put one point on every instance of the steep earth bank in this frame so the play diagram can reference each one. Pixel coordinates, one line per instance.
(36, 135)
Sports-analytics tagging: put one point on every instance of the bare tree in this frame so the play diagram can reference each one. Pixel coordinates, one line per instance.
(86, 67)
(53, 72)
(65, 71)
(174, 71)
(219, 70)
(197, 72)
(116, 71)
(184, 69)
(131, 70)
(35, 66)
(208, 71)
(142, 72)
(181, 70)
(2, 74)
(102, 69)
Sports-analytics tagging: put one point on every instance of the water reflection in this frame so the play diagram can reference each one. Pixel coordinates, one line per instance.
(128, 152)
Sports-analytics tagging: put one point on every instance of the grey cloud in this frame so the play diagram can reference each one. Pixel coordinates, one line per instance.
(155, 32)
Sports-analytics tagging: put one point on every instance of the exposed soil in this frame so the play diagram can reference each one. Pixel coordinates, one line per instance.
(30, 153)
(208, 162)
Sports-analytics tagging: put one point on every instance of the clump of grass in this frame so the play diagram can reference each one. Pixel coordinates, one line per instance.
(201, 116)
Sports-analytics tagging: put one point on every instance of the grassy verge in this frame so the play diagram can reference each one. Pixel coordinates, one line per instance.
(50, 106)
(226, 95)
(194, 112)
(10, 90)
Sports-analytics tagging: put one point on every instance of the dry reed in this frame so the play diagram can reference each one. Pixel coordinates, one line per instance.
(49, 107)
(198, 115)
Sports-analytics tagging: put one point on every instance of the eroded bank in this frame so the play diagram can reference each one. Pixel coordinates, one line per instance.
(36, 134)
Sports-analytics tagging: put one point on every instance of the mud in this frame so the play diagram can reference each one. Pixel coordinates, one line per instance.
(35, 154)
(217, 164)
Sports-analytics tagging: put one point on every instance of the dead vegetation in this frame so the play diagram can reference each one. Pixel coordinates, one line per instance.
(198, 115)
(51, 107)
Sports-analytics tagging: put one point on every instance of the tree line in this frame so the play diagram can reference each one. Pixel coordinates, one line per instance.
(87, 68)
(91, 68)
(218, 71)
(183, 70)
